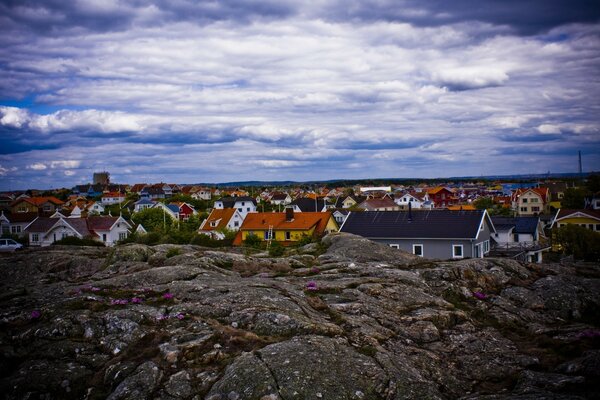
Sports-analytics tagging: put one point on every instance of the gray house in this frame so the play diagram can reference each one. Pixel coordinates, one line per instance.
(440, 234)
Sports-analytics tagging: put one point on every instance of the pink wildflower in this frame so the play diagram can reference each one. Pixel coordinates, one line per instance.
(315, 270)
(162, 317)
(180, 316)
(311, 285)
(95, 289)
(479, 296)
(168, 296)
(137, 300)
(35, 314)
(116, 302)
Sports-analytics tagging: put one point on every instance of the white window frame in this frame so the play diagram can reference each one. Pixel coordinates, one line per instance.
(35, 238)
(395, 246)
(122, 235)
(462, 251)
(422, 249)
(288, 235)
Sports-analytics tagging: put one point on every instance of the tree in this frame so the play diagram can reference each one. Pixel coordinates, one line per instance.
(573, 199)
(483, 203)
(582, 243)
(153, 219)
(593, 183)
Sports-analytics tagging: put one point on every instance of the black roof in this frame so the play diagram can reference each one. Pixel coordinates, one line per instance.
(229, 202)
(432, 224)
(309, 205)
(520, 224)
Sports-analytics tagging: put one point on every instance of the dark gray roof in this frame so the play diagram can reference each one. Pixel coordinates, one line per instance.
(437, 224)
(229, 202)
(309, 205)
(520, 224)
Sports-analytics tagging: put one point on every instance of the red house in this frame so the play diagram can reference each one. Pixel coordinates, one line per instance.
(442, 197)
(185, 211)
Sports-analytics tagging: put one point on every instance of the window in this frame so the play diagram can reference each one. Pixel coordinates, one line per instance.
(5, 229)
(64, 235)
(516, 237)
(248, 209)
(122, 235)
(288, 236)
(16, 229)
(598, 227)
(47, 208)
(535, 209)
(457, 251)
(236, 223)
(267, 236)
(213, 223)
(35, 237)
(240, 209)
(524, 201)
(523, 209)
(395, 246)
(486, 247)
(591, 226)
(104, 237)
(534, 200)
(418, 250)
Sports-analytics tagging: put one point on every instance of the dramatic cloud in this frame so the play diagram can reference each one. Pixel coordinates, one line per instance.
(295, 90)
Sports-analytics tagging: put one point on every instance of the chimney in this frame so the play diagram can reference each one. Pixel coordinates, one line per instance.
(289, 214)
(409, 211)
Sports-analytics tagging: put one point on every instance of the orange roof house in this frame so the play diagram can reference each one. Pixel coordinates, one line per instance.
(286, 228)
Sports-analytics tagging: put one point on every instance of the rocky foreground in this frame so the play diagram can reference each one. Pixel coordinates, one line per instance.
(353, 321)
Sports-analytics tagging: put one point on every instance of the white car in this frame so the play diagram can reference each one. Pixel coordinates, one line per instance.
(9, 245)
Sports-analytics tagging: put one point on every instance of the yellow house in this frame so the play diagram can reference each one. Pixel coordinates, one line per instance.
(589, 219)
(286, 228)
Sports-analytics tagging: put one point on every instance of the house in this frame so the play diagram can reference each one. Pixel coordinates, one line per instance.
(142, 204)
(5, 202)
(41, 205)
(521, 238)
(137, 188)
(280, 199)
(88, 190)
(350, 201)
(152, 193)
(172, 210)
(44, 231)
(95, 208)
(438, 234)
(202, 194)
(340, 215)
(305, 204)
(589, 219)
(459, 207)
(185, 210)
(286, 228)
(112, 198)
(220, 220)
(531, 201)
(17, 222)
(442, 197)
(404, 200)
(379, 204)
(244, 204)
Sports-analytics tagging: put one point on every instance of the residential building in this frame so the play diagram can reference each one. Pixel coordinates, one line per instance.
(585, 218)
(220, 220)
(143, 204)
(440, 234)
(305, 204)
(112, 198)
(379, 204)
(244, 204)
(521, 238)
(531, 201)
(286, 228)
(44, 231)
(40, 205)
(442, 197)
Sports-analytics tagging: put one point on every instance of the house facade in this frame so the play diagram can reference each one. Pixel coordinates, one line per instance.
(442, 197)
(244, 204)
(286, 228)
(589, 219)
(40, 205)
(520, 238)
(44, 231)
(220, 220)
(112, 198)
(531, 202)
(439, 234)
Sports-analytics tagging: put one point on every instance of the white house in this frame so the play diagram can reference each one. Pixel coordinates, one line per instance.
(142, 204)
(113, 198)
(44, 230)
(172, 210)
(202, 194)
(406, 199)
(244, 204)
(220, 220)
(95, 208)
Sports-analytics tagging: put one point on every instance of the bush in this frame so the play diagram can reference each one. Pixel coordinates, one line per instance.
(276, 249)
(207, 241)
(582, 243)
(253, 241)
(75, 241)
(175, 251)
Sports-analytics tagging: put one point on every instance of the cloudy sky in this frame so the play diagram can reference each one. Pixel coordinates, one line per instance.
(215, 91)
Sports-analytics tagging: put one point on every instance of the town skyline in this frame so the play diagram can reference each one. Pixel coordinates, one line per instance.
(295, 90)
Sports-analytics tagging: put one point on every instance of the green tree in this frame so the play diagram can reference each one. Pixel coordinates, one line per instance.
(483, 203)
(582, 243)
(153, 219)
(574, 198)
(593, 183)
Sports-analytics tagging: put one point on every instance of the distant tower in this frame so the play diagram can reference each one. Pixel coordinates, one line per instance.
(580, 168)
(101, 178)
